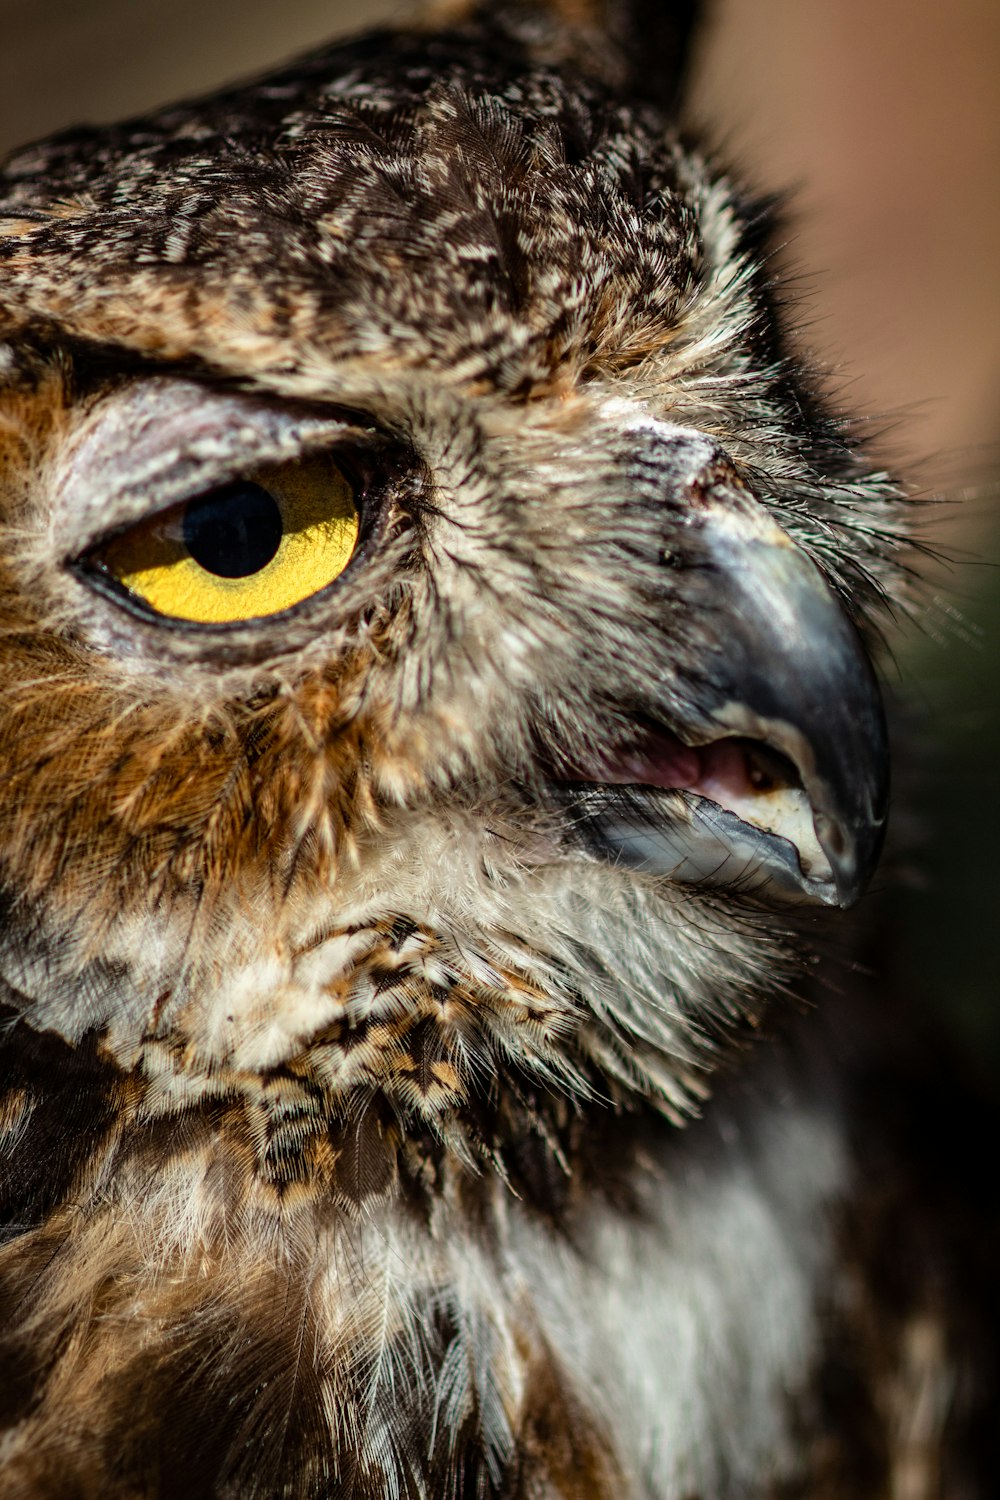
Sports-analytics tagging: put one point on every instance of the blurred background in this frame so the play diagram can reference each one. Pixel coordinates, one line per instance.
(884, 122)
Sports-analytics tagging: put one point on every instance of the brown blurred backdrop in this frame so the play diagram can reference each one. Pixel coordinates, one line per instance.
(884, 119)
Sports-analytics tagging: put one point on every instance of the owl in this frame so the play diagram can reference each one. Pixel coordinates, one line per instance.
(440, 744)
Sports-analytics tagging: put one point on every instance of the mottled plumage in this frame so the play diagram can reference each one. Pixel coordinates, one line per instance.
(382, 1113)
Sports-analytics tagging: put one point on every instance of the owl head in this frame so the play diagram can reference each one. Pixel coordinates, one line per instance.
(436, 603)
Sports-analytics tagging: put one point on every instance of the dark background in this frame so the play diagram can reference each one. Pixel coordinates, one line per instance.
(884, 120)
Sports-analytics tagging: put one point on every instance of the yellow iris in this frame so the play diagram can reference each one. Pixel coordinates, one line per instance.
(250, 548)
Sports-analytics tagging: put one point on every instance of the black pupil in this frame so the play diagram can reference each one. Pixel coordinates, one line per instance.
(235, 531)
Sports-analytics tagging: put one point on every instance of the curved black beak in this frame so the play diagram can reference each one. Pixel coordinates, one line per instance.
(790, 670)
(779, 666)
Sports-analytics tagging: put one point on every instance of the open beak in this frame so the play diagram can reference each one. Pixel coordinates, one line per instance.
(780, 778)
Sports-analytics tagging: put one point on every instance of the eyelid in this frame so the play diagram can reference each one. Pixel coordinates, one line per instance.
(159, 442)
(167, 515)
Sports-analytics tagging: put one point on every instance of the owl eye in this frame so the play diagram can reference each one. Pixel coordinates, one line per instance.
(250, 548)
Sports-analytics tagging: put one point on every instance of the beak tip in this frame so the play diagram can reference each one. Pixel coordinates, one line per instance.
(854, 862)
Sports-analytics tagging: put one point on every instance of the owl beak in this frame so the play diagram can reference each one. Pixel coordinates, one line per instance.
(790, 672)
(781, 776)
